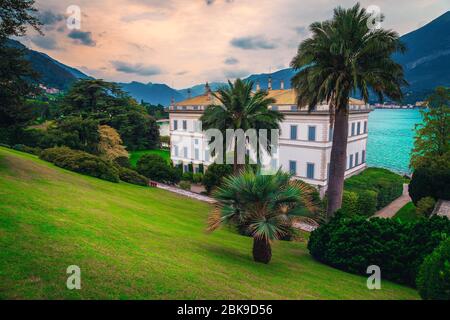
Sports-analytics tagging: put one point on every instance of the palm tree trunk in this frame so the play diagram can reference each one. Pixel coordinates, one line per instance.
(262, 252)
(338, 162)
(235, 164)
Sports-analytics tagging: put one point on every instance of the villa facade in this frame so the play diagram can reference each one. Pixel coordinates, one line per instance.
(305, 139)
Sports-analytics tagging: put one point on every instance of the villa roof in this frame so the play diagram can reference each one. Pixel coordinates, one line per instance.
(282, 97)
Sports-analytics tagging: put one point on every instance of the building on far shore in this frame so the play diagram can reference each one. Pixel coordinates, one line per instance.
(304, 144)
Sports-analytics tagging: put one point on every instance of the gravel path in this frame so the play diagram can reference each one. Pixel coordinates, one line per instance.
(390, 210)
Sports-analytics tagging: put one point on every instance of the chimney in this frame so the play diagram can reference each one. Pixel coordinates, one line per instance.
(258, 86)
(269, 87)
(208, 91)
(189, 93)
(282, 85)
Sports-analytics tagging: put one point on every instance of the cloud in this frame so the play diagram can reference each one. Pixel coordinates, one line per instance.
(139, 68)
(233, 74)
(181, 73)
(210, 2)
(156, 16)
(80, 37)
(302, 30)
(49, 18)
(231, 61)
(253, 43)
(45, 42)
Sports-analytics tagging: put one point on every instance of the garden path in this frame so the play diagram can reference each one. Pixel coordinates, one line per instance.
(390, 210)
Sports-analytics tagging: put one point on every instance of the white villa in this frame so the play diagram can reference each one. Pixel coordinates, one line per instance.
(304, 144)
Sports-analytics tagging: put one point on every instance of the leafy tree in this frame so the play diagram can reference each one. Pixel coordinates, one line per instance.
(107, 103)
(138, 130)
(16, 84)
(75, 133)
(267, 204)
(432, 140)
(110, 144)
(344, 56)
(15, 73)
(16, 16)
(240, 108)
(156, 111)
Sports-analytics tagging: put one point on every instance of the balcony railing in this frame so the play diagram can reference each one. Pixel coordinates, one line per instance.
(293, 108)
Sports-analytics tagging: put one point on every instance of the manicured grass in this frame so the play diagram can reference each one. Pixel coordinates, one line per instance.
(136, 155)
(407, 213)
(139, 243)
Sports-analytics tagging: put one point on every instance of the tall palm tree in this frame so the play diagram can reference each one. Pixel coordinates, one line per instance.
(267, 205)
(344, 56)
(240, 108)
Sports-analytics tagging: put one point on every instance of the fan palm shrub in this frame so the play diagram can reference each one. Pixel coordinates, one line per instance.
(267, 205)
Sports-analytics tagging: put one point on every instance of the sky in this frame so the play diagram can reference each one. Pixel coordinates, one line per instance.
(188, 42)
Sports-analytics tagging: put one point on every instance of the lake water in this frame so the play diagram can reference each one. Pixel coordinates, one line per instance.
(391, 138)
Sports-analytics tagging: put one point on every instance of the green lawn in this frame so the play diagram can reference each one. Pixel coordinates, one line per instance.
(139, 243)
(407, 213)
(136, 155)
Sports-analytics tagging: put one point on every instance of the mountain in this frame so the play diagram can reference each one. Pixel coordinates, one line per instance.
(200, 89)
(153, 93)
(427, 59)
(53, 74)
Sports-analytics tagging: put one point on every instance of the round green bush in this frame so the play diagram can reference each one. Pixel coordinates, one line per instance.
(433, 280)
(353, 244)
(215, 174)
(131, 176)
(156, 168)
(350, 204)
(367, 202)
(425, 206)
(185, 185)
(430, 182)
(197, 178)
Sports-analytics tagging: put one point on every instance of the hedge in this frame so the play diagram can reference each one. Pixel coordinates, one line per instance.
(81, 162)
(433, 281)
(353, 244)
(374, 188)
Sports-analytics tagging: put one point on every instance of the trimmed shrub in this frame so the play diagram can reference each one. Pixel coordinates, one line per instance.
(425, 206)
(386, 184)
(81, 162)
(350, 204)
(367, 202)
(26, 149)
(187, 176)
(185, 185)
(428, 182)
(433, 280)
(215, 174)
(156, 168)
(197, 178)
(131, 176)
(123, 162)
(353, 244)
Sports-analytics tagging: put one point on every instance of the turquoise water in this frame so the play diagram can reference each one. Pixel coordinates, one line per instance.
(391, 138)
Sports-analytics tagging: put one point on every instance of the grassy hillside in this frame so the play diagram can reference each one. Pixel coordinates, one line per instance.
(139, 243)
